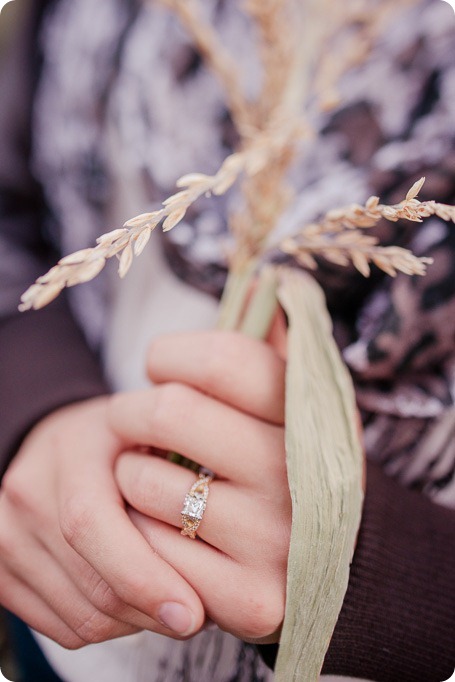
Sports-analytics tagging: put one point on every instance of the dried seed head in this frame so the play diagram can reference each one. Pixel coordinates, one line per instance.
(110, 237)
(76, 257)
(142, 241)
(173, 219)
(125, 261)
(415, 189)
(193, 179)
(140, 220)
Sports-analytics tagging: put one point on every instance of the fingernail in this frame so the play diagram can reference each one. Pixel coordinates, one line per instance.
(176, 617)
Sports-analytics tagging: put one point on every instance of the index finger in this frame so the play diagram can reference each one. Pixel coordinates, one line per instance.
(95, 524)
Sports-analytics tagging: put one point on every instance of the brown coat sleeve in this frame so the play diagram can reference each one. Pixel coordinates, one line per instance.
(44, 360)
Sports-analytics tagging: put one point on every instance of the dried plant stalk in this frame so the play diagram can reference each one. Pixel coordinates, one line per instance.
(344, 52)
(216, 56)
(131, 239)
(264, 157)
(278, 37)
(325, 468)
(336, 237)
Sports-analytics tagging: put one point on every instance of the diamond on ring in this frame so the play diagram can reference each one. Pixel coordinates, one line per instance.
(194, 505)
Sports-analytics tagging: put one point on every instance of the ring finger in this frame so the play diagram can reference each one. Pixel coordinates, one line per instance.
(157, 488)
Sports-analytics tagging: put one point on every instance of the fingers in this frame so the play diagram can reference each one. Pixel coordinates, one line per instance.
(97, 527)
(60, 594)
(157, 488)
(248, 603)
(178, 418)
(32, 547)
(240, 371)
(27, 605)
(54, 604)
(61, 489)
(98, 593)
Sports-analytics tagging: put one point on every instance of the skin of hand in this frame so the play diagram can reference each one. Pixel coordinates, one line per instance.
(72, 565)
(218, 398)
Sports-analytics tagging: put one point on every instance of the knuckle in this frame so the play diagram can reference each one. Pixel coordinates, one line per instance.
(171, 404)
(69, 641)
(149, 495)
(264, 614)
(222, 351)
(112, 605)
(263, 621)
(105, 600)
(152, 496)
(14, 488)
(63, 635)
(76, 520)
(141, 486)
(96, 628)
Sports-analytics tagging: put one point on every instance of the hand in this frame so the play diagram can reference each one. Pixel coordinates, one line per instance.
(72, 565)
(219, 400)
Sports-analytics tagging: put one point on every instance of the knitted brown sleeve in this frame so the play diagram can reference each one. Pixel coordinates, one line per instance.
(45, 363)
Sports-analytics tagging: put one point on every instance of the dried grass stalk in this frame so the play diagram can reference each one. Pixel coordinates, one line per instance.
(269, 129)
(337, 236)
(87, 263)
(345, 50)
(216, 56)
(325, 468)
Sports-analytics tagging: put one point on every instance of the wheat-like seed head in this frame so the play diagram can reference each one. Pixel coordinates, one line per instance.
(337, 237)
(131, 239)
(269, 130)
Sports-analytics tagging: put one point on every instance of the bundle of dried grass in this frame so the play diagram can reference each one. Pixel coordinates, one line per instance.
(338, 237)
(324, 464)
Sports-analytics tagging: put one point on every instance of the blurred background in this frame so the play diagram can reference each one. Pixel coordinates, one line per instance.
(8, 12)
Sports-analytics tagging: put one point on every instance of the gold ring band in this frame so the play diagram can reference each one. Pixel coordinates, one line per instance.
(194, 505)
